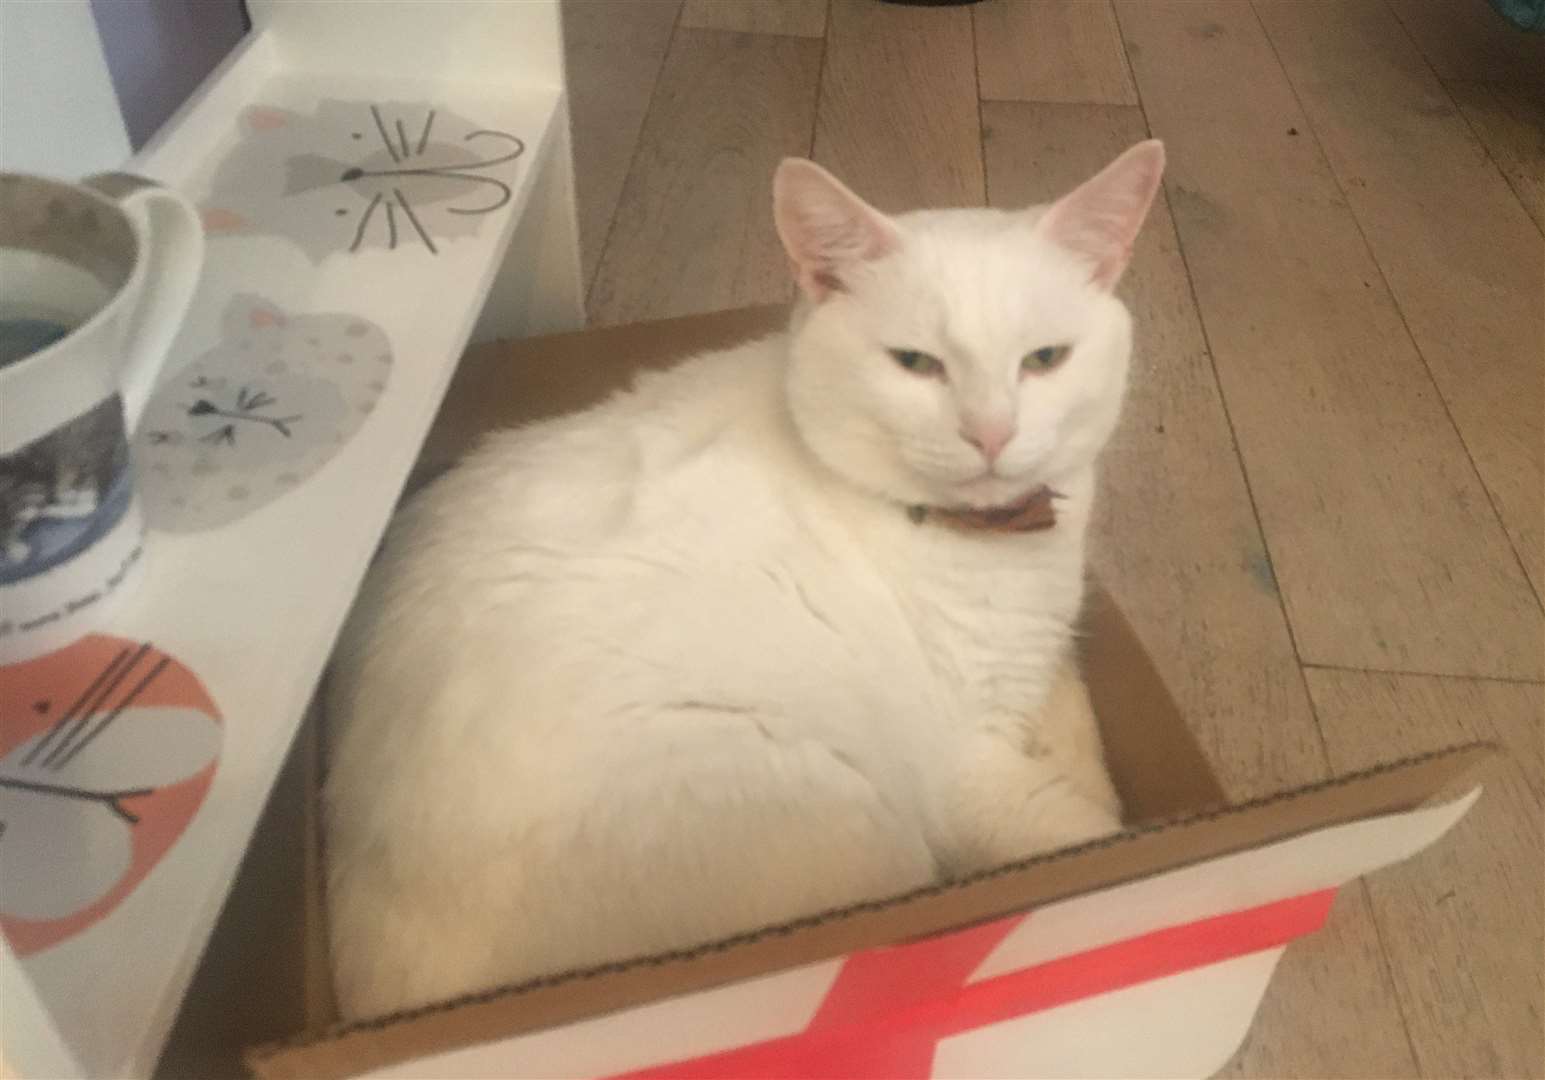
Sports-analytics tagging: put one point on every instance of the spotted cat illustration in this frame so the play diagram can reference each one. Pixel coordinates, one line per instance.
(257, 414)
(357, 175)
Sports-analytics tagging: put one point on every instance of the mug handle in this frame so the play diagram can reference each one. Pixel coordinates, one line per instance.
(171, 239)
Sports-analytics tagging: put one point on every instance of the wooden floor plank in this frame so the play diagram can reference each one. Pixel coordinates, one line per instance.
(1468, 39)
(1330, 1010)
(802, 18)
(1455, 245)
(1463, 922)
(694, 227)
(1176, 541)
(1382, 537)
(613, 54)
(898, 112)
(1051, 50)
(1283, 283)
(1197, 583)
(1510, 120)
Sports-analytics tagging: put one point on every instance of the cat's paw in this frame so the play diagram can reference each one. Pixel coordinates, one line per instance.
(1077, 819)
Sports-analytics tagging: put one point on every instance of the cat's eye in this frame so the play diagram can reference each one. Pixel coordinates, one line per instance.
(1045, 358)
(918, 363)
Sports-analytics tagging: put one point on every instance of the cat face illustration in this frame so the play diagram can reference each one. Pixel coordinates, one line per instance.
(106, 751)
(355, 176)
(257, 414)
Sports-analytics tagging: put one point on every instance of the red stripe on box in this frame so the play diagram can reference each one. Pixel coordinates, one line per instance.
(906, 976)
(888, 1008)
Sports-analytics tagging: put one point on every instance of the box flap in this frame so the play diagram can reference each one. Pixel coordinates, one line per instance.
(1032, 995)
(1152, 756)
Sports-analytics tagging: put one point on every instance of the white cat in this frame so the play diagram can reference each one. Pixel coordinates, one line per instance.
(778, 630)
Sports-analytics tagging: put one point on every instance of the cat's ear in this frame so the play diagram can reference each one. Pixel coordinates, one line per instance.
(219, 220)
(1099, 220)
(265, 118)
(246, 313)
(825, 228)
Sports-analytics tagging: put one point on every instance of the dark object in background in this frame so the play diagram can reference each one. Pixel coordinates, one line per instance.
(158, 51)
(1524, 14)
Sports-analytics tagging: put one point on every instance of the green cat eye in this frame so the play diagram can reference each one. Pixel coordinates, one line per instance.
(1045, 358)
(918, 363)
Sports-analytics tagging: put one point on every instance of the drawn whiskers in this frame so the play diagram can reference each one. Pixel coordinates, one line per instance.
(70, 796)
(397, 200)
(109, 799)
(402, 149)
(248, 401)
(91, 700)
(73, 733)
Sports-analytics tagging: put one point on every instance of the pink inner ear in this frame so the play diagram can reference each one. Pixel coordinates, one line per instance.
(265, 317)
(825, 228)
(259, 118)
(1100, 219)
(219, 220)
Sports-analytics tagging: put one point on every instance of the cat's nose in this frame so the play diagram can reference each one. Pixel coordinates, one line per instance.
(989, 439)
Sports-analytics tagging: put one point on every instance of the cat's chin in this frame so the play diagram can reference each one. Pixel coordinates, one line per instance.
(988, 492)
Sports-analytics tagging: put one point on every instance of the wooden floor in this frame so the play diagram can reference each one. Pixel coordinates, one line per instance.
(1324, 507)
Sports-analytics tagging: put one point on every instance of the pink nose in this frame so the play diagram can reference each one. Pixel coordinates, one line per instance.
(990, 439)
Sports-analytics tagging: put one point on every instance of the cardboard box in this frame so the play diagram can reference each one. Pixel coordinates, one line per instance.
(1144, 954)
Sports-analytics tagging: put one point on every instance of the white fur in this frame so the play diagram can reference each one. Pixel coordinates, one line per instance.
(681, 665)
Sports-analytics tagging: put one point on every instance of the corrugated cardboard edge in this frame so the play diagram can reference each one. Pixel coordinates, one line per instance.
(344, 1050)
(507, 384)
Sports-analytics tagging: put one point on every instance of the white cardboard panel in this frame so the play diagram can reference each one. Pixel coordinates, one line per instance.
(1190, 1022)
(1304, 864)
(698, 1024)
(1184, 1025)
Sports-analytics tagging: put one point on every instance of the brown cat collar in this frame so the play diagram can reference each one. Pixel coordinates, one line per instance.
(1029, 513)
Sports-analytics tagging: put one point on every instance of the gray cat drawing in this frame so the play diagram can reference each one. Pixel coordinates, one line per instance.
(258, 414)
(358, 175)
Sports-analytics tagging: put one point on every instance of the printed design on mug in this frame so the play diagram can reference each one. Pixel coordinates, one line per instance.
(358, 175)
(63, 492)
(107, 749)
(256, 415)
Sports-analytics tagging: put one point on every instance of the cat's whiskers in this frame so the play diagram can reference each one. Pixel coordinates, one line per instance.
(423, 140)
(375, 112)
(413, 220)
(364, 222)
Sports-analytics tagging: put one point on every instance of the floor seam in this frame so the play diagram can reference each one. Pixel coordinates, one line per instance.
(1217, 379)
(1373, 257)
(981, 119)
(1505, 680)
(1490, 87)
(1386, 961)
(638, 143)
(820, 79)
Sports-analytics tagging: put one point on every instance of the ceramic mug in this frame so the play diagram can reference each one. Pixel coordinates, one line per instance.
(94, 281)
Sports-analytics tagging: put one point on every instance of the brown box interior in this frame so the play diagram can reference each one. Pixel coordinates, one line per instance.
(264, 978)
